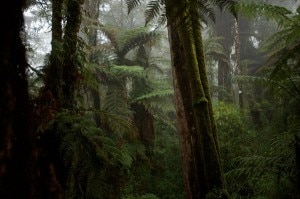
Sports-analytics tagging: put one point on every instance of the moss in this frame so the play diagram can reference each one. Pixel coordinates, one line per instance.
(201, 102)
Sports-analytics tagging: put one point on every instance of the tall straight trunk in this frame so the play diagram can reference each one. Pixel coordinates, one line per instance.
(200, 150)
(15, 146)
(51, 169)
(53, 77)
(238, 70)
(185, 116)
(223, 26)
(144, 121)
(92, 11)
(70, 48)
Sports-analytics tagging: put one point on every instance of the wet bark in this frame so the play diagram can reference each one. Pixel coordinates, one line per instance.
(70, 74)
(200, 150)
(185, 116)
(53, 75)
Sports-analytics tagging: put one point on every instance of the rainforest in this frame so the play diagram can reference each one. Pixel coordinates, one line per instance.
(150, 99)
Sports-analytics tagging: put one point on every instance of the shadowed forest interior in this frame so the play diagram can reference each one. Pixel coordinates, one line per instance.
(150, 99)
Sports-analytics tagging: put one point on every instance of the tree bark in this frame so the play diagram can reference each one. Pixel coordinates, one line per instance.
(185, 116)
(71, 75)
(53, 75)
(200, 150)
(15, 146)
(238, 70)
(144, 121)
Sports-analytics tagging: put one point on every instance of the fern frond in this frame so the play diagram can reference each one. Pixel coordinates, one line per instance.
(132, 39)
(228, 5)
(158, 93)
(127, 71)
(254, 166)
(131, 4)
(206, 10)
(254, 10)
(112, 34)
(283, 47)
(153, 10)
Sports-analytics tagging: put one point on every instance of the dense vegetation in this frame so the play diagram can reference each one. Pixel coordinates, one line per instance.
(157, 99)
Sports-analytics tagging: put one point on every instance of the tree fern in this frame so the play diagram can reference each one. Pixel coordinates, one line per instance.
(213, 48)
(124, 41)
(283, 49)
(127, 71)
(156, 9)
(132, 4)
(254, 9)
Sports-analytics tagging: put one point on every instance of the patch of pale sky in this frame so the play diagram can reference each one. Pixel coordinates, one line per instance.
(40, 37)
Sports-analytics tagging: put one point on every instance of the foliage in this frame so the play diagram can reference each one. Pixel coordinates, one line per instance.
(120, 83)
(100, 159)
(88, 153)
(254, 9)
(282, 53)
(156, 9)
(124, 41)
(255, 165)
(160, 174)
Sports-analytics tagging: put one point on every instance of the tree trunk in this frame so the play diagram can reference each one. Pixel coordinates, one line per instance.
(92, 11)
(15, 146)
(58, 93)
(71, 75)
(52, 171)
(53, 76)
(185, 117)
(223, 26)
(199, 137)
(144, 121)
(238, 70)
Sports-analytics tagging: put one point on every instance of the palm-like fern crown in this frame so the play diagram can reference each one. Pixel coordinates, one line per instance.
(283, 47)
(124, 41)
(156, 8)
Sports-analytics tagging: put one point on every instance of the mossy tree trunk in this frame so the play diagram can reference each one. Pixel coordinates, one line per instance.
(185, 117)
(92, 11)
(61, 77)
(71, 75)
(53, 77)
(200, 150)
